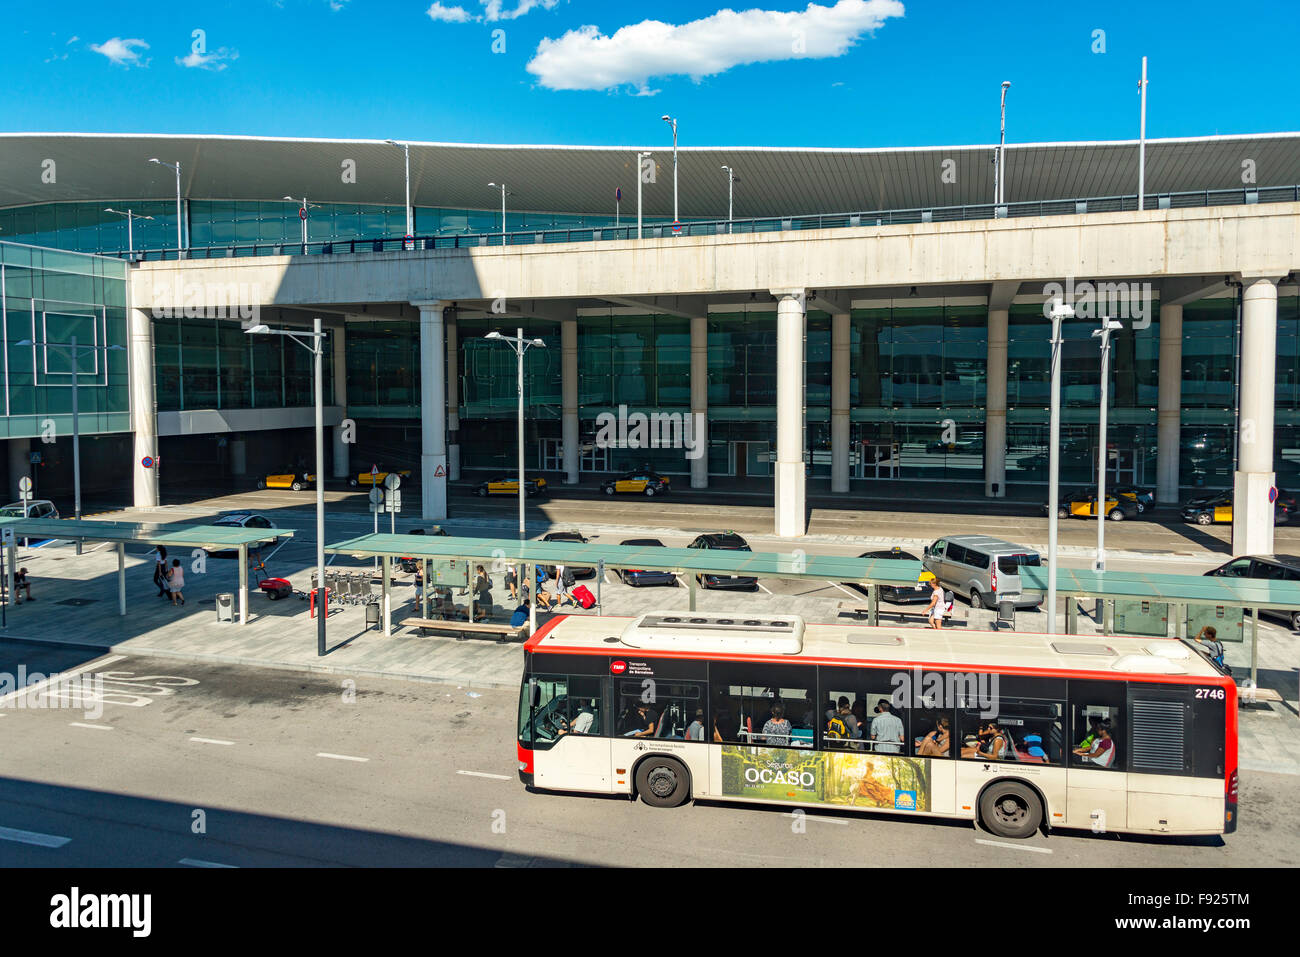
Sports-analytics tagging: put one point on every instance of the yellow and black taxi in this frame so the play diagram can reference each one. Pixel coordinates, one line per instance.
(1215, 509)
(1142, 498)
(1082, 503)
(637, 482)
(294, 480)
(728, 542)
(510, 486)
(366, 479)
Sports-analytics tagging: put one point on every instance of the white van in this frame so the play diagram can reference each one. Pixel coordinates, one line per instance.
(982, 569)
(35, 508)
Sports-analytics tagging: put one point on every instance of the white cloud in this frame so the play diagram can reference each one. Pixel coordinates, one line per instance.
(73, 39)
(448, 14)
(122, 52)
(493, 11)
(215, 60)
(586, 59)
(337, 5)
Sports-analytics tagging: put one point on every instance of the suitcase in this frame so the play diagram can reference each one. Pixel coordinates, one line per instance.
(584, 596)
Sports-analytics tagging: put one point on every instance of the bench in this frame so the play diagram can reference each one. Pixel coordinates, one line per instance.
(1260, 695)
(466, 628)
(860, 609)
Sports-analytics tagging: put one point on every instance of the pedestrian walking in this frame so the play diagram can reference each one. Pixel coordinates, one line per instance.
(160, 570)
(176, 582)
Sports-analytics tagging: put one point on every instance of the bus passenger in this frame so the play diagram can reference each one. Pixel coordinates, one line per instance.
(887, 729)
(582, 721)
(1101, 750)
(937, 742)
(640, 722)
(695, 730)
(776, 730)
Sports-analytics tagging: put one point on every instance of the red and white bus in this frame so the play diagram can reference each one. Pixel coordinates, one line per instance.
(1019, 731)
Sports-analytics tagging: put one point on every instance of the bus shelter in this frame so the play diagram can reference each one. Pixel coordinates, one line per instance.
(688, 562)
(1148, 603)
(212, 538)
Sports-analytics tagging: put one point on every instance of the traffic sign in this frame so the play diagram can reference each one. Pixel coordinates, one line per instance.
(376, 496)
(25, 484)
(439, 472)
(393, 501)
(302, 212)
(392, 481)
(147, 461)
(618, 193)
(1272, 495)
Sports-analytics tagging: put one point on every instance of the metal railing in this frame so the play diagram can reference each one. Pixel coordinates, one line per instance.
(769, 224)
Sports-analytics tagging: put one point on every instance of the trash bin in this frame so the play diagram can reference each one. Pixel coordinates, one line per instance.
(1007, 612)
(372, 614)
(226, 607)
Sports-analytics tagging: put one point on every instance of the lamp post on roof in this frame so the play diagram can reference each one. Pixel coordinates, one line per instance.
(180, 242)
(313, 342)
(303, 206)
(406, 149)
(1142, 139)
(732, 179)
(131, 217)
(1000, 165)
(640, 158)
(672, 121)
(504, 194)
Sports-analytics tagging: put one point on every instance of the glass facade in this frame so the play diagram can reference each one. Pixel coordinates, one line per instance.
(48, 297)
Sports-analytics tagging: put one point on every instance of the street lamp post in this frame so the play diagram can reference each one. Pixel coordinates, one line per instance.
(131, 217)
(502, 187)
(180, 242)
(520, 345)
(1142, 140)
(302, 214)
(406, 149)
(731, 188)
(1108, 326)
(1059, 312)
(672, 121)
(316, 346)
(640, 158)
(74, 353)
(1000, 179)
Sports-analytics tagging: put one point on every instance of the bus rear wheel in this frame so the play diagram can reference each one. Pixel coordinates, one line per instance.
(1011, 810)
(662, 782)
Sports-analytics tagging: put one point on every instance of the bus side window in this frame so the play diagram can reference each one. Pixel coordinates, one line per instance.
(1094, 706)
(749, 697)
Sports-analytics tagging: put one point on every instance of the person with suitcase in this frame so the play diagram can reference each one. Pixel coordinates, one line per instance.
(582, 594)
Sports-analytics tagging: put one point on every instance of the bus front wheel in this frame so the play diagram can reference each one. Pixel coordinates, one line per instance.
(662, 782)
(1011, 810)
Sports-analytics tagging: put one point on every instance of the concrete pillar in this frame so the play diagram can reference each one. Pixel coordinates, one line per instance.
(995, 407)
(841, 338)
(1170, 400)
(144, 411)
(790, 479)
(700, 401)
(433, 413)
(453, 401)
(1252, 512)
(238, 457)
(569, 398)
(19, 465)
(339, 359)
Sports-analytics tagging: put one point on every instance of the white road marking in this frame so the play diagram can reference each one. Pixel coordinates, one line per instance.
(1015, 847)
(825, 820)
(210, 741)
(851, 594)
(97, 727)
(32, 837)
(761, 585)
(484, 774)
(59, 676)
(195, 862)
(339, 757)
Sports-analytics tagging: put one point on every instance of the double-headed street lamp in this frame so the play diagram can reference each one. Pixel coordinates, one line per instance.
(1108, 326)
(504, 194)
(74, 353)
(672, 121)
(303, 206)
(520, 345)
(314, 343)
(180, 242)
(131, 217)
(1000, 164)
(732, 179)
(406, 148)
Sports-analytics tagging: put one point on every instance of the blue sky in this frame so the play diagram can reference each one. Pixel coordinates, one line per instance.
(838, 73)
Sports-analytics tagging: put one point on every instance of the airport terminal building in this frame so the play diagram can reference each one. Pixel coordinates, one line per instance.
(862, 315)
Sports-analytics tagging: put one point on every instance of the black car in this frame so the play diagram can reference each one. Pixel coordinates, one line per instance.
(407, 563)
(896, 594)
(576, 570)
(1285, 568)
(729, 542)
(1082, 503)
(641, 576)
(1218, 508)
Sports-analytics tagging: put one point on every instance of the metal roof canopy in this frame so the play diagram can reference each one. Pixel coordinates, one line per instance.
(143, 533)
(792, 564)
(1172, 589)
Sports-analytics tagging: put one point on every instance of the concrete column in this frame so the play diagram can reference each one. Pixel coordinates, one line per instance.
(144, 412)
(453, 401)
(700, 400)
(841, 339)
(238, 457)
(1252, 512)
(1170, 399)
(995, 407)
(433, 413)
(19, 465)
(339, 359)
(569, 399)
(790, 479)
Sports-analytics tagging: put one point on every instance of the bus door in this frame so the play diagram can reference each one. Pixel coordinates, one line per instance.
(570, 733)
(1096, 783)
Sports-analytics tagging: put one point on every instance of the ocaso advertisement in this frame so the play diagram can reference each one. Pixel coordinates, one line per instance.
(852, 779)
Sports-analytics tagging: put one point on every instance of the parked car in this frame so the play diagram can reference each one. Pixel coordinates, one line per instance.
(509, 486)
(407, 563)
(968, 442)
(982, 569)
(32, 508)
(729, 542)
(1141, 498)
(365, 479)
(294, 480)
(243, 520)
(637, 482)
(1082, 503)
(577, 570)
(1270, 568)
(896, 594)
(1212, 509)
(640, 576)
